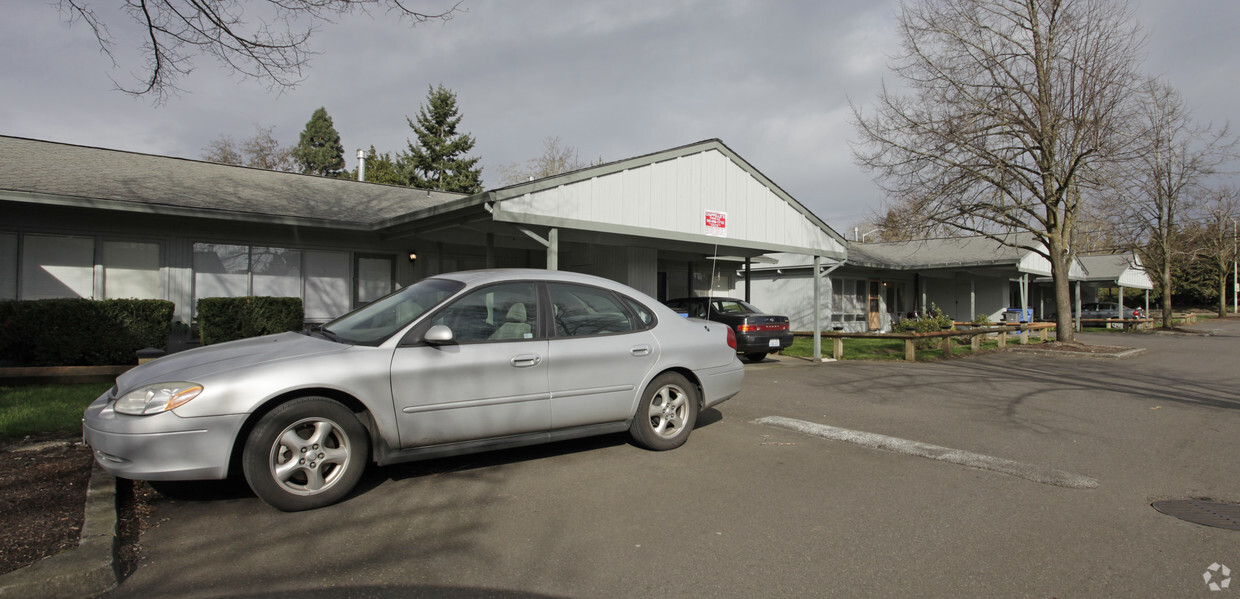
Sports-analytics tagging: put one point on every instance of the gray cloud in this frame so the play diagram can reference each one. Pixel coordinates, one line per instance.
(616, 79)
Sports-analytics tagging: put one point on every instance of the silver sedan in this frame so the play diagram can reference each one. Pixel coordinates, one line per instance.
(453, 364)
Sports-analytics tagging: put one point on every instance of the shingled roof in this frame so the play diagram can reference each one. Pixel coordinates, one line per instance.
(56, 173)
(1121, 269)
(940, 253)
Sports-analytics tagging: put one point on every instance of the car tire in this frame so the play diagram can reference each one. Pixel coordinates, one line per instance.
(755, 358)
(666, 413)
(331, 437)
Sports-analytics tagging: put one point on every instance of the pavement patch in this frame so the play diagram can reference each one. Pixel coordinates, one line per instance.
(1039, 474)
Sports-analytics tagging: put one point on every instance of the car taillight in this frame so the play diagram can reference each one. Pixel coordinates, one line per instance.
(755, 328)
(731, 338)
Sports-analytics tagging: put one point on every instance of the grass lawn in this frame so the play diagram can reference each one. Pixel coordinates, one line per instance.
(891, 349)
(39, 409)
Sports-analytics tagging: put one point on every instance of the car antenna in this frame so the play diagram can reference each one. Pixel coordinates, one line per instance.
(714, 263)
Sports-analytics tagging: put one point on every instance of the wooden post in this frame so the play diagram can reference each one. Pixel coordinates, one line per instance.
(910, 350)
(947, 347)
(837, 348)
(1002, 339)
(1045, 334)
(1024, 334)
(975, 342)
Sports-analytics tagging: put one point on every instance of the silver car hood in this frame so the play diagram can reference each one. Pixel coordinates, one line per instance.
(195, 364)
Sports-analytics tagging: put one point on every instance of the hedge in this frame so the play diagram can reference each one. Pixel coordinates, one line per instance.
(223, 319)
(81, 332)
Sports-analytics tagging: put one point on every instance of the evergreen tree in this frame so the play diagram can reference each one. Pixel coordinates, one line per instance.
(319, 152)
(381, 168)
(438, 159)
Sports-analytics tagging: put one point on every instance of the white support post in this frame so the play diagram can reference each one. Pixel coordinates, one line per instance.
(553, 249)
(1077, 311)
(817, 309)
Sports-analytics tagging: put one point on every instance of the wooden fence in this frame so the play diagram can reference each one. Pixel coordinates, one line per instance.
(974, 334)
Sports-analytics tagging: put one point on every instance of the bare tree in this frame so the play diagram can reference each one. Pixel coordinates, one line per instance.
(1219, 242)
(1163, 180)
(1009, 103)
(261, 151)
(557, 157)
(223, 150)
(269, 44)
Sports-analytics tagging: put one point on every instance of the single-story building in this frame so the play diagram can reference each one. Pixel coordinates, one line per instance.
(880, 283)
(1115, 271)
(98, 223)
(688, 221)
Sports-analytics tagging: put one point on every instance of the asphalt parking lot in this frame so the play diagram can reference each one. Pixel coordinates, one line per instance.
(747, 509)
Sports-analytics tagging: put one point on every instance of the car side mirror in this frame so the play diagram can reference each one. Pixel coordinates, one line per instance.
(439, 335)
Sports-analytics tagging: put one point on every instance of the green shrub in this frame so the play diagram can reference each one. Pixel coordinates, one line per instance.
(934, 320)
(223, 319)
(81, 332)
(982, 320)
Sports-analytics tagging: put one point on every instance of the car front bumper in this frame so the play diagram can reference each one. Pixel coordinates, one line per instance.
(160, 446)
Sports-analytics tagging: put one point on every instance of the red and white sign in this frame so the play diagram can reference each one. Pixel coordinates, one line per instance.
(716, 223)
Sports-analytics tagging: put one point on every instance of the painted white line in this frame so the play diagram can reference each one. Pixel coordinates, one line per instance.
(1040, 474)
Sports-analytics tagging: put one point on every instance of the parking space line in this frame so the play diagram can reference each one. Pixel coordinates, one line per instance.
(1039, 474)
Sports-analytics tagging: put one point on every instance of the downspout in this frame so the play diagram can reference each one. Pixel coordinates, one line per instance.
(747, 279)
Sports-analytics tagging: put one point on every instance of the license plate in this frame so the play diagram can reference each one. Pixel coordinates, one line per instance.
(774, 343)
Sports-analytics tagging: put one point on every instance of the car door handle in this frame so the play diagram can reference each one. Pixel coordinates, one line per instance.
(526, 360)
(641, 350)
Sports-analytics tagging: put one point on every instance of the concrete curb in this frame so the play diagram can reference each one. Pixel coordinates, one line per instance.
(1127, 353)
(89, 569)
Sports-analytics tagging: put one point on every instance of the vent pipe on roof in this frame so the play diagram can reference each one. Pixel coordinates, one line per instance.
(361, 165)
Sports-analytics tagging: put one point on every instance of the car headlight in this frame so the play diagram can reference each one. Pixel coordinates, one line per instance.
(160, 397)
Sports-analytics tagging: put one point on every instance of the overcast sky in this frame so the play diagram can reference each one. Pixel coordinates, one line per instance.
(615, 79)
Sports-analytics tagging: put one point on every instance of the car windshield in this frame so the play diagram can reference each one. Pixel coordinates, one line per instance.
(373, 323)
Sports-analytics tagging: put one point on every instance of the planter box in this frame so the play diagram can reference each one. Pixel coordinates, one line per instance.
(43, 375)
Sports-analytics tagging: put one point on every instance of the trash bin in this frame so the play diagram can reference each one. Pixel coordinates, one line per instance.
(1018, 315)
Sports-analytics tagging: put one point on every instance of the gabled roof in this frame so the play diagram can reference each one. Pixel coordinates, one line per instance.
(1119, 269)
(627, 164)
(660, 194)
(55, 173)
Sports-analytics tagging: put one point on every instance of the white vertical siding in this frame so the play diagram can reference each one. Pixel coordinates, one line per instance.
(671, 197)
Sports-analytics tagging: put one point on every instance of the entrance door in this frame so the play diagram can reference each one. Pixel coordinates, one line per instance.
(875, 318)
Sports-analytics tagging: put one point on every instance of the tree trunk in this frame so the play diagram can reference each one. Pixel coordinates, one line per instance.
(1166, 295)
(1061, 266)
(1222, 294)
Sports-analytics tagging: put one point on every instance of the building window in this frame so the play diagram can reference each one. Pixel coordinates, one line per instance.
(221, 270)
(8, 266)
(849, 300)
(326, 277)
(374, 278)
(895, 299)
(54, 267)
(276, 272)
(321, 279)
(131, 270)
(238, 270)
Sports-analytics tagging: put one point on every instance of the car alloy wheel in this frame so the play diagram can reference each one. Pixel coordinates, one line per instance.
(305, 454)
(667, 412)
